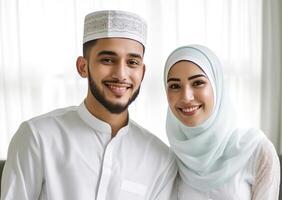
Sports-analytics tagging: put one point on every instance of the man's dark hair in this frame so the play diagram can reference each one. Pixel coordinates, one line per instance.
(88, 45)
(87, 48)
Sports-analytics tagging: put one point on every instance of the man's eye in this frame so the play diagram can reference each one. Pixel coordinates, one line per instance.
(107, 60)
(133, 63)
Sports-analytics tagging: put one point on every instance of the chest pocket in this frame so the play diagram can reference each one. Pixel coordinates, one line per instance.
(132, 190)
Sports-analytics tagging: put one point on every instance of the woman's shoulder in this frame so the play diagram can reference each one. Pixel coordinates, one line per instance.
(266, 154)
(266, 171)
(262, 162)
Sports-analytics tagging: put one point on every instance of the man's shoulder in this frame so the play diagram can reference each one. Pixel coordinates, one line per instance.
(147, 139)
(145, 133)
(53, 114)
(49, 120)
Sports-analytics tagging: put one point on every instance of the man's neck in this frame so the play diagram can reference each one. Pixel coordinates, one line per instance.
(116, 121)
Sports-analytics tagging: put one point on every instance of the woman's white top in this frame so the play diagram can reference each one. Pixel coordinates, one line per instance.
(218, 159)
(258, 180)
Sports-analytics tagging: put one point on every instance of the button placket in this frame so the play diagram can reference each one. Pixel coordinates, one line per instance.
(106, 172)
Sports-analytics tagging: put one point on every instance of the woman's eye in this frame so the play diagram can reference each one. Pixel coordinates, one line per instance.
(174, 86)
(198, 83)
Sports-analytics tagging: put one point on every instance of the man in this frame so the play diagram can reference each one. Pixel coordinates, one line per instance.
(94, 151)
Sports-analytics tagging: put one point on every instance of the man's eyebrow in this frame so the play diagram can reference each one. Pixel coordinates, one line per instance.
(173, 79)
(196, 76)
(135, 55)
(109, 53)
(112, 53)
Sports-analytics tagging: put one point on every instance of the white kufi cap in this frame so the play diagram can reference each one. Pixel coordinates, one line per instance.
(114, 23)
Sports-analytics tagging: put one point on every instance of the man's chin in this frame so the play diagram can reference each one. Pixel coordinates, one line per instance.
(117, 102)
(116, 108)
(111, 103)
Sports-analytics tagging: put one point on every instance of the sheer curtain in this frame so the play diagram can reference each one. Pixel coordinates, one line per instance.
(40, 40)
(271, 106)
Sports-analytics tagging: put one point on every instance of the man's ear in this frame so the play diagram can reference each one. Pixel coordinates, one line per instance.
(81, 66)
(144, 66)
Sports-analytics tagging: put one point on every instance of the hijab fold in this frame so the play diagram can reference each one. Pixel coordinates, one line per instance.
(211, 153)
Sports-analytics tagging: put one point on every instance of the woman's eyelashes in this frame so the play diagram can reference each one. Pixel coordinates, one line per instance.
(198, 83)
(174, 86)
(194, 83)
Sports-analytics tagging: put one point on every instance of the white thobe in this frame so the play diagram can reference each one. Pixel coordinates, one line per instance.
(258, 180)
(68, 154)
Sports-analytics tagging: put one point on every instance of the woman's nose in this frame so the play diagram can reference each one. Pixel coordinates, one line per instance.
(188, 94)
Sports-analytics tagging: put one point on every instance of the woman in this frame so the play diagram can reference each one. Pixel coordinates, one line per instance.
(216, 159)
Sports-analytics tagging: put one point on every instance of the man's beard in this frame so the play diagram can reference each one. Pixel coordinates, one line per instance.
(111, 107)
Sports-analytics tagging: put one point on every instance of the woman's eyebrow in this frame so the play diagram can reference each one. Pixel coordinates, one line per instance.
(189, 78)
(196, 76)
(173, 79)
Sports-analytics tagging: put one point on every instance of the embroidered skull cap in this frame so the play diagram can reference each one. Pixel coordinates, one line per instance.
(114, 23)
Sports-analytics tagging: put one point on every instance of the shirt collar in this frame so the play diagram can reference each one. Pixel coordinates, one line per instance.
(98, 124)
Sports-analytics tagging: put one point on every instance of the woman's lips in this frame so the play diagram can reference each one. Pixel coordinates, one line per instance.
(191, 110)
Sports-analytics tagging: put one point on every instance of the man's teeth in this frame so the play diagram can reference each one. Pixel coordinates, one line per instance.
(190, 109)
(121, 88)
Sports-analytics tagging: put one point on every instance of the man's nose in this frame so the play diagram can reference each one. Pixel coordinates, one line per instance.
(120, 71)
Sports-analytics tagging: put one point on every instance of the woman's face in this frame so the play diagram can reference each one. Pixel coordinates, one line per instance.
(189, 93)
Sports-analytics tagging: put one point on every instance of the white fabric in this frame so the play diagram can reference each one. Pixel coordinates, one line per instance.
(68, 154)
(271, 87)
(258, 180)
(209, 154)
(41, 39)
(199, 59)
(114, 23)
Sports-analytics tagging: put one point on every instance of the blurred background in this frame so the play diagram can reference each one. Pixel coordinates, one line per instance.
(41, 39)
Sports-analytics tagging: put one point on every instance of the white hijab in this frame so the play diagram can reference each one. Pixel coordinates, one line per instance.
(211, 153)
